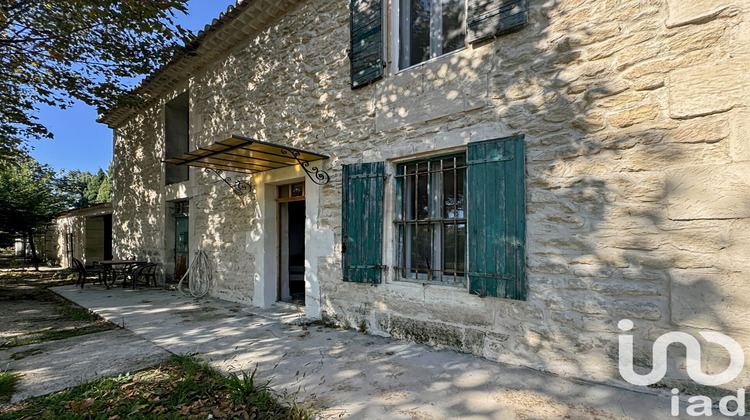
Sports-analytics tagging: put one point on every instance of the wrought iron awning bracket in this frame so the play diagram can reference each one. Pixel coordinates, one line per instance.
(239, 187)
(315, 174)
(271, 156)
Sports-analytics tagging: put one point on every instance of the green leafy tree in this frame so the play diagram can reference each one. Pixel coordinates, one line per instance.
(27, 199)
(78, 188)
(105, 190)
(70, 187)
(92, 187)
(55, 52)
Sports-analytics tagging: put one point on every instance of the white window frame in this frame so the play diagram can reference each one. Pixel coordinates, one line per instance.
(395, 35)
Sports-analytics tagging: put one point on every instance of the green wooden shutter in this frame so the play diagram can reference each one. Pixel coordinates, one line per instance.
(362, 223)
(496, 218)
(366, 51)
(489, 18)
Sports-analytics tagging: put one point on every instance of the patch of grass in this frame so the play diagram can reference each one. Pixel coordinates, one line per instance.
(42, 336)
(326, 322)
(36, 279)
(73, 312)
(8, 382)
(319, 323)
(7, 258)
(57, 318)
(15, 293)
(66, 273)
(245, 389)
(181, 388)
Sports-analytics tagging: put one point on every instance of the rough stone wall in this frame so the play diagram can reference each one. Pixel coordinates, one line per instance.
(64, 226)
(138, 187)
(219, 223)
(49, 244)
(257, 91)
(637, 148)
(73, 222)
(222, 224)
(46, 244)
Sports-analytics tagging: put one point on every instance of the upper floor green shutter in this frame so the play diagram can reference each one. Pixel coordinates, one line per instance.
(496, 218)
(488, 18)
(366, 51)
(362, 221)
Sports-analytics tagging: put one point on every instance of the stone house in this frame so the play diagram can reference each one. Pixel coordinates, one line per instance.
(506, 178)
(84, 233)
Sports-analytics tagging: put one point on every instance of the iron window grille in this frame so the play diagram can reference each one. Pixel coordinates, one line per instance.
(430, 220)
(181, 208)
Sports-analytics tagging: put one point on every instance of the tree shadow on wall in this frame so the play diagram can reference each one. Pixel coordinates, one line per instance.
(586, 83)
(603, 157)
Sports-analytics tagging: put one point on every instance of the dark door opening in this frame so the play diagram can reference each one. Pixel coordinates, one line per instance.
(68, 249)
(181, 245)
(291, 246)
(97, 244)
(108, 237)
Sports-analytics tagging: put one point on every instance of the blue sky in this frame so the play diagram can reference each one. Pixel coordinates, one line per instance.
(82, 143)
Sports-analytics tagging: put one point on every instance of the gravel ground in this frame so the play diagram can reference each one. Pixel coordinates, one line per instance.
(54, 344)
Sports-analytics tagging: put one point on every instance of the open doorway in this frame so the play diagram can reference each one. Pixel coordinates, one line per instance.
(291, 286)
(181, 217)
(98, 244)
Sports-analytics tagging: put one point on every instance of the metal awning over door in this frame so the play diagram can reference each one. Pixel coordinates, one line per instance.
(250, 156)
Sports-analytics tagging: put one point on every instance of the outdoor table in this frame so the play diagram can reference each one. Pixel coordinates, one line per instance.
(110, 268)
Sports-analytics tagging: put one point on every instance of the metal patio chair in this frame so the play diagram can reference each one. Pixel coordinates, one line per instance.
(141, 274)
(84, 273)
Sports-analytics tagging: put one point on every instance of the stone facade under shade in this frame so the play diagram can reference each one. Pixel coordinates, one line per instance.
(636, 127)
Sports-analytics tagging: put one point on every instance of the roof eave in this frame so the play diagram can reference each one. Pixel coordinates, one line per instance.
(238, 23)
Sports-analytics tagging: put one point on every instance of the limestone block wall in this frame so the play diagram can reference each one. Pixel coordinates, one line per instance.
(77, 227)
(138, 187)
(45, 242)
(48, 241)
(75, 223)
(62, 227)
(637, 146)
(222, 224)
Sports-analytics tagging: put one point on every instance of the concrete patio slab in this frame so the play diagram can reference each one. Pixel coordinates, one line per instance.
(354, 375)
(55, 365)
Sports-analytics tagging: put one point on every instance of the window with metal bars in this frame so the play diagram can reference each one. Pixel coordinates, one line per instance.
(431, 220)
